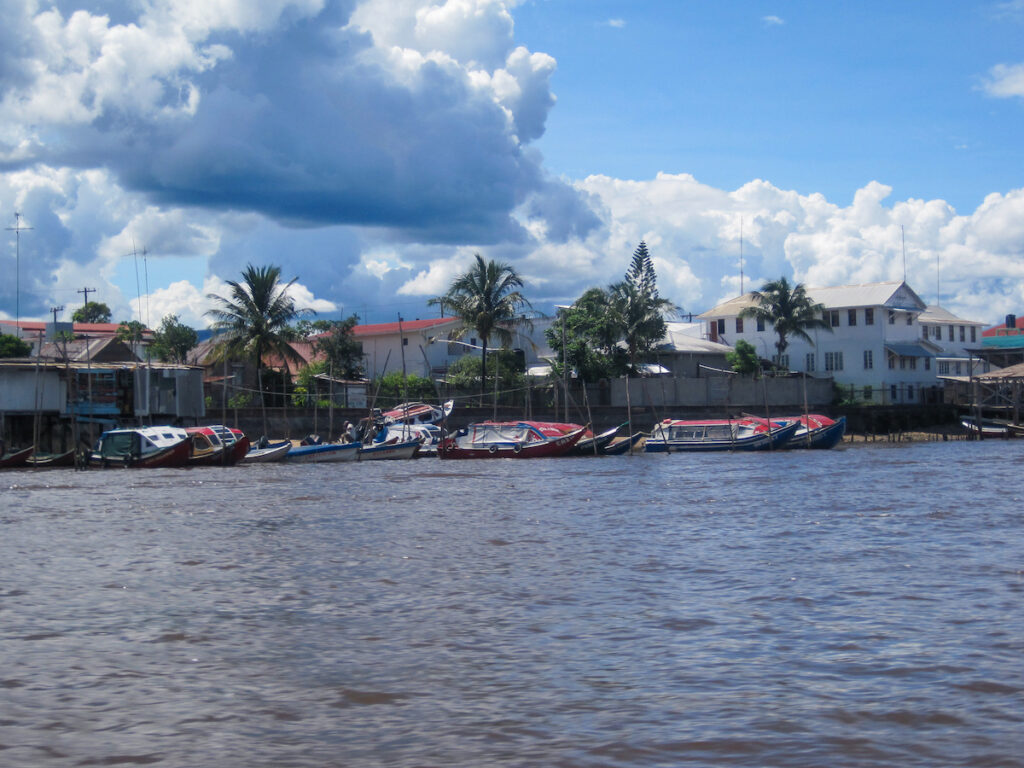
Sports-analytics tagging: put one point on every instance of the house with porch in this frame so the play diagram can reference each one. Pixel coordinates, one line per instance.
(876, 348)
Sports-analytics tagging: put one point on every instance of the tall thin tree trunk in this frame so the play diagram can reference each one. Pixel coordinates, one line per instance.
(483, 370)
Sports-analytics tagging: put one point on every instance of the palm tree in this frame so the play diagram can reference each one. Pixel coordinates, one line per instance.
(639, 315)
(790, 311)
(487, 300)
(256, 320)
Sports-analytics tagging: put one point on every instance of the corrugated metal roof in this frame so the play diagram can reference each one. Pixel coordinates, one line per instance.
(936, 315)
(896, 295)
(910, 350)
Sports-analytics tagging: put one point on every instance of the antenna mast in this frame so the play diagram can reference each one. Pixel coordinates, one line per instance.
(17, 229)
(903, 240)
(741, 255)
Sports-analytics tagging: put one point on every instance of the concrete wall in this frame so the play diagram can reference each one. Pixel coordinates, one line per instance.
(722, 391)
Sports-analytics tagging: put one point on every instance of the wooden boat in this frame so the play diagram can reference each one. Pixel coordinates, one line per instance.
(16, 458)
(390, 449)
(217, 445)
(142, 447)
(323, 452)
(745, 434)
(510, 439)
(52, 460)
(623, 446)
(817, 431)
(986, 428)
(594, 445)
(266, 453)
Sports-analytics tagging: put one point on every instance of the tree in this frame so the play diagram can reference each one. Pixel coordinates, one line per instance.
(256, 320)
(12, 346)
(790, 311)
(91, 312)
(637, 309)
(333, 339)
(591, 337)
(743, 357)
(172, 341)
(487, 301)
(131, 333)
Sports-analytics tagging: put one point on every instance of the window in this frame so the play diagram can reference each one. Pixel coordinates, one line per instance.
(721, 325)
(739, 325)
(760, 323)
(782, 361)
(974, 334)
(910, 392)
(951, 333)
(833, 361)
(893, 392)
(912, 362)
(927, 363)
(910, 319)
(892, 361)
(957, 367)
(868, 392)
(869, 360)
(869, 316)
(892, 317)
(833, 318)
(963, 333)
(405, 341)
(943, 368)
(903, 363)
(851, 317)
(809, 362)
(937, 332)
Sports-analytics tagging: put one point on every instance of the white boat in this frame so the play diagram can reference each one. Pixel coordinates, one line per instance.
(418, 413)
(323, 452)
(392, 449)
(268, 453)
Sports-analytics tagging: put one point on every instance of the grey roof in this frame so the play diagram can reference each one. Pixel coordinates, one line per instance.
(911, 350)
(894, 295)
(687, 337)
(936, 315)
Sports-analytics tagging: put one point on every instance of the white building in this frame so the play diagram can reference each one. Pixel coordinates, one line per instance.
(876, 349)
(954, 336)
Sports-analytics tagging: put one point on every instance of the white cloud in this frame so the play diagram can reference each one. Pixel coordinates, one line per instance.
(1005, 81)
(772, 21)
(616, 23)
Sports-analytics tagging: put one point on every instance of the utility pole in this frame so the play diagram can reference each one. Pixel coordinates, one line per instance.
(17, 229)
(88, 367)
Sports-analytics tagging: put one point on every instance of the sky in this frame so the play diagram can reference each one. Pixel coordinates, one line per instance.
(154, 148)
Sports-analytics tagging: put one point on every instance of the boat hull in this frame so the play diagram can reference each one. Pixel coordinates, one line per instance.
(553, 446)
(822, 438)
(389, 451)
(16, 459)
(273, 452)
(172, 456)
(66, 459)
(718, 436)
(323, 453)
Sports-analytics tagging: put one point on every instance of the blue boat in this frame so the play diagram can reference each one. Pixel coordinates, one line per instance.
(323, 452)
(699, 435)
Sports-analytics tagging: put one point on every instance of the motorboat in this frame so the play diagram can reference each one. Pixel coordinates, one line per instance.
(693, 435)
(149, 447)
(510, 439)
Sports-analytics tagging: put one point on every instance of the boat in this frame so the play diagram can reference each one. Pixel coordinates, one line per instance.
(817, 431)
(510, 439)
(142, 447)
(390, 449)
(323, 452)
(691, 435)
(16, 458)
(594, 445)
(52, 460)
(625, 445)
(986, 428)
(417, 413)
(217, 445)
(264, 452)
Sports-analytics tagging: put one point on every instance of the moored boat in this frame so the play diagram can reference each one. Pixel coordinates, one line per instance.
(141, 447)
(594, 445)
(323, 452)
(986, 428)
(693, 435)
(510, 439)
(216, 445)
(52, 460)
(16, 458)
(390, 449)
(817, 431)
(417, 413)
(265, 453)
(624, 445)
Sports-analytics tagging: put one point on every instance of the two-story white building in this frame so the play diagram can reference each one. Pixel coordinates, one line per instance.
(954, 336)
(876, 349)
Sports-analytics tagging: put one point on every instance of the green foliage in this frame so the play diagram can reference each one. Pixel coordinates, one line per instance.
(487, 300)
(743, 358)
(333, 339)
(131, 333)
(395, 388)
(240, 400)
(91, 312)
(12, 346)
(465, 372)
(172, 341)
(789, 309)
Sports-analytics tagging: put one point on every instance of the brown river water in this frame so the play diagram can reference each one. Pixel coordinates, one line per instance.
(856, 607)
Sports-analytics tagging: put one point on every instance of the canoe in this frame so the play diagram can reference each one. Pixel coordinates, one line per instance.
(16, 458)
(52, 460)
(511, 440)
(623, 446)
(269, 453)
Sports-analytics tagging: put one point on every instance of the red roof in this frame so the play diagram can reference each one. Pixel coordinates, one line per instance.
(1001, 329)
(381, 329)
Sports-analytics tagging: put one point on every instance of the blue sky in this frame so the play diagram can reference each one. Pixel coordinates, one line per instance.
(371, 147)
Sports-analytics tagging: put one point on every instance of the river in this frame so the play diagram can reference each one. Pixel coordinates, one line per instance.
(856, 607)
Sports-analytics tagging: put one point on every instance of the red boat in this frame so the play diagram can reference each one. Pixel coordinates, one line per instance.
(16, 459)
(216, 445)
(510, 440)
(147, 447)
